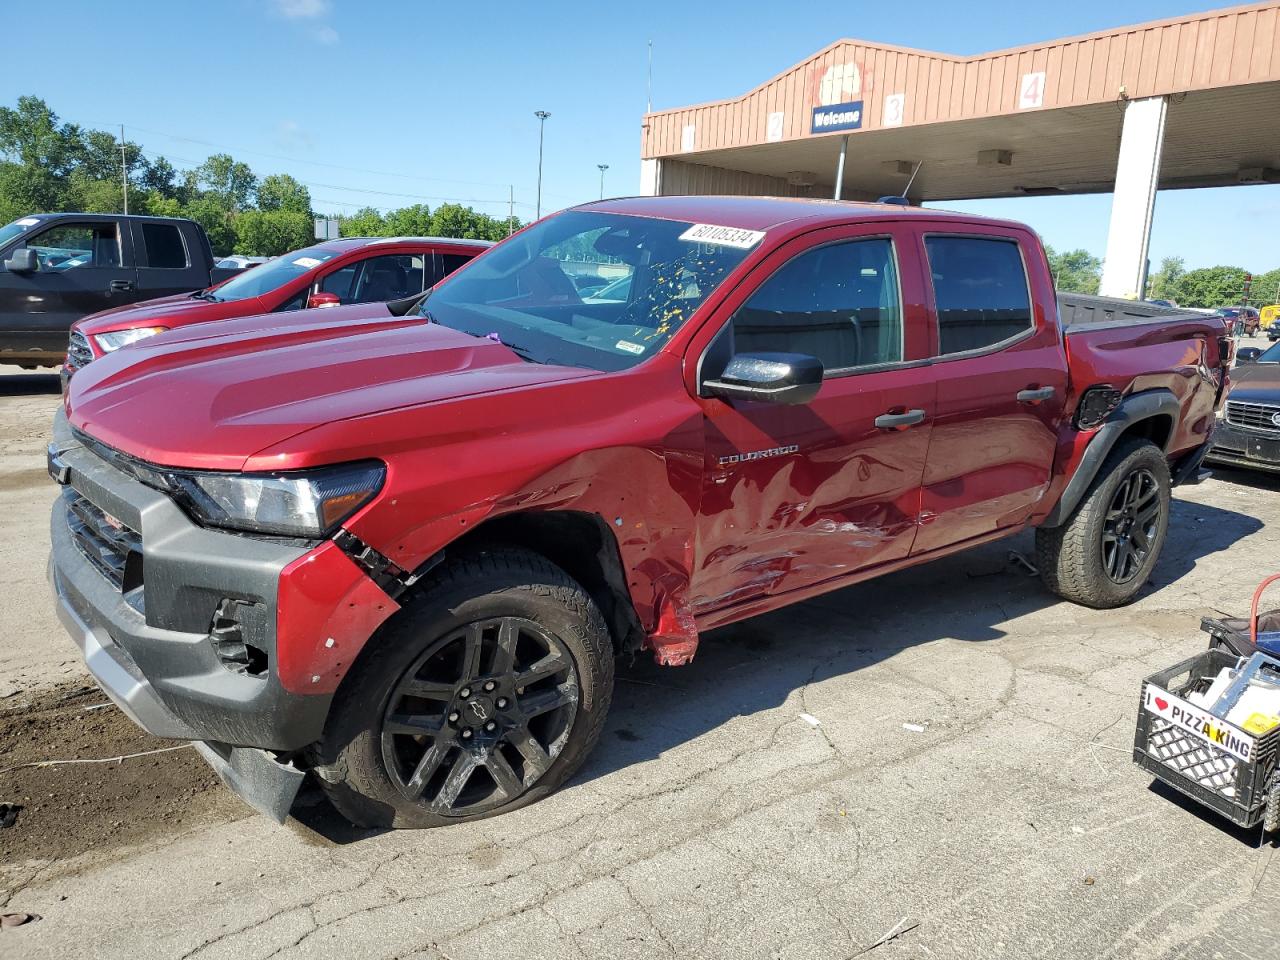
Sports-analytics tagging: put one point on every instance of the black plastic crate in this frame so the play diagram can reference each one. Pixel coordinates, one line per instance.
(1211, 773)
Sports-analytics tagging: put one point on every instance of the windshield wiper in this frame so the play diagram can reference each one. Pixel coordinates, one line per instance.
(205, 295)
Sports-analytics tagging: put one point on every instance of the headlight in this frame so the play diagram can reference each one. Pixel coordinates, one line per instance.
(309, 503)
(107, 342)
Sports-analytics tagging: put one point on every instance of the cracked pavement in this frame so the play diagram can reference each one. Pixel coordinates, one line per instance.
(714, 821)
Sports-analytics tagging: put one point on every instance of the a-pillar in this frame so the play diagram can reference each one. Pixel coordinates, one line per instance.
(1124, 269)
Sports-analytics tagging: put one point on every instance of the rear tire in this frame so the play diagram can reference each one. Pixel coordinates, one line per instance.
(1104, 553)
(482, 695)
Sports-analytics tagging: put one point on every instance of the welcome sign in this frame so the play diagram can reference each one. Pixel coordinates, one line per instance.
(837, 116)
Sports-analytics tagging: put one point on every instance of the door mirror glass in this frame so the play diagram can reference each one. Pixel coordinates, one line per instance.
(23, 261)
(787, 378)
(323, 300)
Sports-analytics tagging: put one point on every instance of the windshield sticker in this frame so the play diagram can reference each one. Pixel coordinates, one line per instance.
(628, 346)
(722, 236)
(307, 262)
(28, 222)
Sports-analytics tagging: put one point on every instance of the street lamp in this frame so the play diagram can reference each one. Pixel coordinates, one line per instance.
(602, 167)
(542, 124)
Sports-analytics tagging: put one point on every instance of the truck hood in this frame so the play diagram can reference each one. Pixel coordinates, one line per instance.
(206, 397)
(178, 310)
(1256, 383)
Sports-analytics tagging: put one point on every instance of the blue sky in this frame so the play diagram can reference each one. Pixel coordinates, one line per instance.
(389, 103)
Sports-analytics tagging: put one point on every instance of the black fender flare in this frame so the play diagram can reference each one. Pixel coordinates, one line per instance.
(1132, 409)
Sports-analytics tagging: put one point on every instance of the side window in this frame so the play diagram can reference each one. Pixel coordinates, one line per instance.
(339, 283)
(450, 262)
(296, 302)
(69, 246)
(840, 303)
(980, 287)
(388, 278)
(162, 246)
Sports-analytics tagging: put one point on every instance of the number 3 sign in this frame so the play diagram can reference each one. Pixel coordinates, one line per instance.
(1031, 91)
(893, 109)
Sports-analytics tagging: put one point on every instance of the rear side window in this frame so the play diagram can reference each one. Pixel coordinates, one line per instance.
(980, 288)
(839, 303)
(163, 247)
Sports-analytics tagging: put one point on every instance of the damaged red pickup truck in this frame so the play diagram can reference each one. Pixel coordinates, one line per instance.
(400, 554)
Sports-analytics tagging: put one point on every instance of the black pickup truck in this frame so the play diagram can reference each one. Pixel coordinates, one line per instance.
(58, 267)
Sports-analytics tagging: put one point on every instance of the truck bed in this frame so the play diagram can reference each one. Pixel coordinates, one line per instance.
(1076, 310)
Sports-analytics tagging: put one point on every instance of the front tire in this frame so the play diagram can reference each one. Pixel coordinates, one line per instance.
(484, 694)
(1104, 553)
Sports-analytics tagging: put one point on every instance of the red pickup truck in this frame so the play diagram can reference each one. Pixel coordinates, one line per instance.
(400, 554)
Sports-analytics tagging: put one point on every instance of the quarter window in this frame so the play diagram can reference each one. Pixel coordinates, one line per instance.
(980, 290)
(839, 303)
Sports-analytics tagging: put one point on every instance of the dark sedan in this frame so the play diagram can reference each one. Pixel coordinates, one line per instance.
(1249, 433)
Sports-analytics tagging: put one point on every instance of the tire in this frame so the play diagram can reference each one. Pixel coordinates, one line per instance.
(431, 727)
(1096, 559)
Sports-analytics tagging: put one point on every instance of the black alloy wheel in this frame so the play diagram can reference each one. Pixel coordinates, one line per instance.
(1129, 531)
(480, 717)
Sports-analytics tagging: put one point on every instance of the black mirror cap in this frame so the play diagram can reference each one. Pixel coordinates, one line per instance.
(1248, 354)
(784, 378)
(22, 261)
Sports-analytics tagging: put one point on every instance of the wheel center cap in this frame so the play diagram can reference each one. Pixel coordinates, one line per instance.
(480, 710)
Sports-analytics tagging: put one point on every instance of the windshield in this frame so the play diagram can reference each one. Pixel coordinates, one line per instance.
(525, 292)
(273, 275)
(1271, 354)
(17, 228)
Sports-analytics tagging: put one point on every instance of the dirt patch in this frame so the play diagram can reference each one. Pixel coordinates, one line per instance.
(73, 809)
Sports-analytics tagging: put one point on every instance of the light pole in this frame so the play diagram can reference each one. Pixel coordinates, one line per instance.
(602, 167)
(542, 125)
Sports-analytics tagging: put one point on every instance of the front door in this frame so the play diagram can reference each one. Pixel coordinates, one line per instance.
(796, 495)
(1001, 378)
(85, 266)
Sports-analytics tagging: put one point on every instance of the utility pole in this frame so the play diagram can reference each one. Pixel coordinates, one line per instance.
(602, 167)
(542, 125)
(511, 209)
(124, 171)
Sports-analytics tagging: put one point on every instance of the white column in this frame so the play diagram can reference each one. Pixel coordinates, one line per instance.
(650, 177)
(1124, 267)
(844, 148)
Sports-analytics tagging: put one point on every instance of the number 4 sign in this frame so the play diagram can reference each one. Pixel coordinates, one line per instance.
(1031, 91)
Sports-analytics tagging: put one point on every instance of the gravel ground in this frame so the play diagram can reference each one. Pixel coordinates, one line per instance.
(766, 801)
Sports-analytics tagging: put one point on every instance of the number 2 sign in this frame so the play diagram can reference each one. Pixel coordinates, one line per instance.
(1031, 90)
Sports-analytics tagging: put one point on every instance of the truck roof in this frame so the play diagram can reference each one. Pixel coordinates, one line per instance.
(762, 213)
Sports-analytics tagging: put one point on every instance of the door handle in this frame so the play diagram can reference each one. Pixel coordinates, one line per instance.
(1035, 394)
(121, 285)
(892, 421)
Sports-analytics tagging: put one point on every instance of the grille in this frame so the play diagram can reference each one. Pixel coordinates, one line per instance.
(115, 551)
(78, 352)
(1253, 416)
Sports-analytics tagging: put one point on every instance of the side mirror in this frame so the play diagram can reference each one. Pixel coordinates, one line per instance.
(788, 378)
(1248, 354)
(22, 261)
(323, 300)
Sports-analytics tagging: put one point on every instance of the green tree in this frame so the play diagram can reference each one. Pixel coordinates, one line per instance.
(279, 191)
(269, 233)
(1266, 287)
(210, 214)
(1210, 287)
(414, 221)
(366, 222)
(1074, 271)
(227, 182)
(1164, 283)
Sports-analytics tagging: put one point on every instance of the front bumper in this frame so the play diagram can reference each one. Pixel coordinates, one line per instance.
(1240, 448)
(148, 641)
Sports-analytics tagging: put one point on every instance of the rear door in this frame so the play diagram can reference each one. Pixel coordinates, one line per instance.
(165, 263)
(1001, 379)
(795, 495)
(86, 265)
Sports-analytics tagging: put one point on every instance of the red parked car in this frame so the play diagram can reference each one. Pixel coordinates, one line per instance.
(330, 274)
(399, 554)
